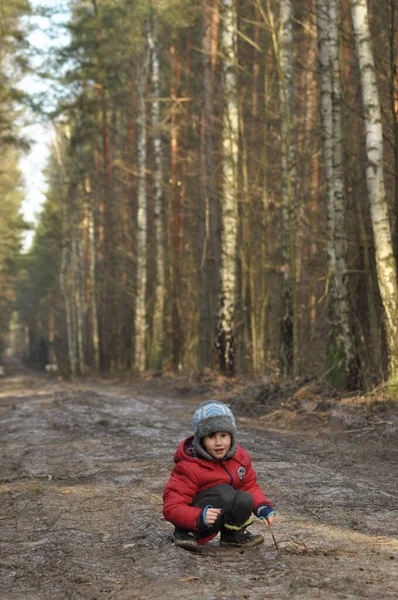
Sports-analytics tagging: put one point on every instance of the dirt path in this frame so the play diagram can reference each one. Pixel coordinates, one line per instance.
(82, 473)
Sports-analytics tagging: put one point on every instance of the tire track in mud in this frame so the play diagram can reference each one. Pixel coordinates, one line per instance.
(82, 473)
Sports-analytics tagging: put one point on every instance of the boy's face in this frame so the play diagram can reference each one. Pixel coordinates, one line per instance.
(217, 444)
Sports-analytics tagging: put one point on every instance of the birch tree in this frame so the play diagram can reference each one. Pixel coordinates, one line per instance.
(289, 341)
(159, 301)
(93, 273)
(141, 239)
(385, 260)
(340, 361)
(225, 341)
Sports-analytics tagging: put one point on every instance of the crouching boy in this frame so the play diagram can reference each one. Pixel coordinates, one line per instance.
(213, 486)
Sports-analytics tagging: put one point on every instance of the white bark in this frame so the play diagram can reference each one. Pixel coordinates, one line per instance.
(229, 217)
(141, 240)
(93, 282)
(288, 239)
(385, 260)
(158, 313)
(326, 120)
(340, 345)
(287, 114)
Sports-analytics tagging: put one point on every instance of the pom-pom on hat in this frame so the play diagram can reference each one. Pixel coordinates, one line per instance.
(212, 416)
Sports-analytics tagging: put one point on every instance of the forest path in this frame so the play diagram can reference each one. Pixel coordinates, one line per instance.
(83, 468)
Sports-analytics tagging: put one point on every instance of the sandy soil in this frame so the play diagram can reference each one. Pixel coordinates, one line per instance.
(83, 468)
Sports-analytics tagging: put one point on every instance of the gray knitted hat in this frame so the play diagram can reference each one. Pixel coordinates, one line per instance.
(212, 416)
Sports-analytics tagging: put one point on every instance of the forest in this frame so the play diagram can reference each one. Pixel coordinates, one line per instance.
(222, 189)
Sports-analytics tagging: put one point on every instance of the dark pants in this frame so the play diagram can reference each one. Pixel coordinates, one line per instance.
(236, 506)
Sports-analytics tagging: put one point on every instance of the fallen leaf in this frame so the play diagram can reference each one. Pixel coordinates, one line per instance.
(190, 578)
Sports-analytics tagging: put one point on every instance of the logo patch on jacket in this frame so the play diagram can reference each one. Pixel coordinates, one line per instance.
(241, 473)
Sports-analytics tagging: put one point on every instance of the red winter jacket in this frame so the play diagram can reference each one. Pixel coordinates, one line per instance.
(192, 475)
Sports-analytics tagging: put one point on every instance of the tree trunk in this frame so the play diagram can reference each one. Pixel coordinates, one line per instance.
(209, 214)
(156, 353)
(141, 244)
(373, 340)
(76, 285)
(176, 233)
(248, 339)
(385, 259)
(108, 266)
(263, 294)
(68, 311)
(340, 359)
(289, 323)
(393, 91)
(93, 274)
(229, 216)
(64, 260)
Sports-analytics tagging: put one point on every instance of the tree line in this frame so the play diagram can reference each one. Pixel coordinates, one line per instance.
(222, 191)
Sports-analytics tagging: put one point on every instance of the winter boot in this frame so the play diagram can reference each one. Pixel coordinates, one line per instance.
(239, 538)
(186, 539)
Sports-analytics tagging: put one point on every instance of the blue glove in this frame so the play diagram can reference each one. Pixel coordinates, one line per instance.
(264, 511)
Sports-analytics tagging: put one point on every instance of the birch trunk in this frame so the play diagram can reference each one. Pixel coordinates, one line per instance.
(93, 276)
(340, 361)
(159, 303)
(230, 143)
(385, 260)
(289, 326)
(141, 239)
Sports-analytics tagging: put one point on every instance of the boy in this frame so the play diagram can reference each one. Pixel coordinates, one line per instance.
(213, 487)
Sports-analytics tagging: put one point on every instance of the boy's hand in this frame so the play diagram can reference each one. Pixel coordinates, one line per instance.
(208, 517)
(266, 513)
(269, 519)
(211, 515)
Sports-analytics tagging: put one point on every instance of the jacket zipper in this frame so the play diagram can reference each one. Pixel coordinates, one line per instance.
(228, 473)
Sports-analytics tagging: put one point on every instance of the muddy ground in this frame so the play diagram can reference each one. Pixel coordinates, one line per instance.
(83, 466)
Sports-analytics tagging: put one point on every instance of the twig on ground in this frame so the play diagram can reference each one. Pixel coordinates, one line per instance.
(273, 536)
